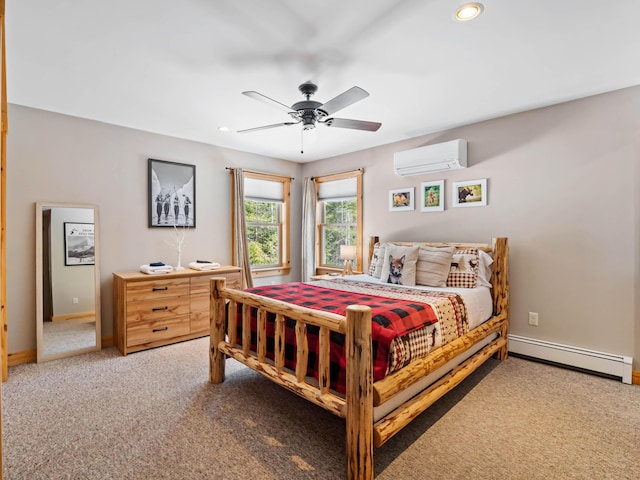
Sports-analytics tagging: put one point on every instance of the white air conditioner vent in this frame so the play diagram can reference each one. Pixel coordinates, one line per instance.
(431, 158)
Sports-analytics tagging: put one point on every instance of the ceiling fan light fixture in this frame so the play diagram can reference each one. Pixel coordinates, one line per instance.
(468, 11)
(310, 112)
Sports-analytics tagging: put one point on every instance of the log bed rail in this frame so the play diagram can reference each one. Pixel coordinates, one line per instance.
(362, 395)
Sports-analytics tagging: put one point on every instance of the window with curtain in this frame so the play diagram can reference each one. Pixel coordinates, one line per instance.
(266, 210)
(339, 219)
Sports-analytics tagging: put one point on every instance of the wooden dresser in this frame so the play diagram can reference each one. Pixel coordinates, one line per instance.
(156, 310)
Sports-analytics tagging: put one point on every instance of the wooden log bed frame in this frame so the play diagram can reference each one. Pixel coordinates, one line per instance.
(362, 394)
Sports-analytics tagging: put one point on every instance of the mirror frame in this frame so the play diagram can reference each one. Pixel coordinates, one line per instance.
(41, 356)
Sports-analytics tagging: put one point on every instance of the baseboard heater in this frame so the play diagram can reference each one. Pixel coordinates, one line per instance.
(581, 358)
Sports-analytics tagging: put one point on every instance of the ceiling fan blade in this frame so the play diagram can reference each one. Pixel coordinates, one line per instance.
(269, 101)
(343, 100)
(355, 124)
(254, 129)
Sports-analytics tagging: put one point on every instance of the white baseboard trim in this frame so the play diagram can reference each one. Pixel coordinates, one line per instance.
(607, 363)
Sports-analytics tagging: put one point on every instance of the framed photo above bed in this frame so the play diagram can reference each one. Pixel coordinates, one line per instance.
(470, 193)
(172, 194)
(401, 199)
(79, 244)
(432, 198)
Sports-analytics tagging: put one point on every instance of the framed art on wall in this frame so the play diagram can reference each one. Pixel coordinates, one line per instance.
(172, 194)
(79, 244)
(432, 198)
(401, 199)
(470, 193)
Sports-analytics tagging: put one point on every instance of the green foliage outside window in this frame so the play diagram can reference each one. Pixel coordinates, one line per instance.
(338, 228)
(263, 232)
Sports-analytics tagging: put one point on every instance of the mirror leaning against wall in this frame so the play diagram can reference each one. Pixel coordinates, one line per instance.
(67, 280)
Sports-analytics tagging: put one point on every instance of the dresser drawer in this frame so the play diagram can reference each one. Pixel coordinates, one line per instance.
(153, 331)
(150, 289)
(201, 284)
(157, 308)
(200, 303)
(200, 322)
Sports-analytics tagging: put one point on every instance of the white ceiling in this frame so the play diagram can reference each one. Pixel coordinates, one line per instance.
(178, 67)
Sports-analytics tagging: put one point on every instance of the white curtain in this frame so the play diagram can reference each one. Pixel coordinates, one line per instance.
(309, 201)
(240, 246)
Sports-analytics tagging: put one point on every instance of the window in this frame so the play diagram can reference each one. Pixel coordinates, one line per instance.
(266, 210)
(339, 218)
(263, 232)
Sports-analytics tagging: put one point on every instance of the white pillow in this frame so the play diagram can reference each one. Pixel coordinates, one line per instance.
(404, 261)
(485, 271)
(434, 263)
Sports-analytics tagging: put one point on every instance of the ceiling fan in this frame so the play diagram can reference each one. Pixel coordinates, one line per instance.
(309, 112)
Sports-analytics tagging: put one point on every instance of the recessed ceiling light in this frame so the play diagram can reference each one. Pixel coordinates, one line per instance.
(468, 11)
(224, 129)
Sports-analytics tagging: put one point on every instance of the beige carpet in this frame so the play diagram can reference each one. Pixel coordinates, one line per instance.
(63, 336)
(153, 415)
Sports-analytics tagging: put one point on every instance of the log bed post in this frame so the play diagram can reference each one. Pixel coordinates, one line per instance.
(500, 291)
(217, 331)
(359, 394)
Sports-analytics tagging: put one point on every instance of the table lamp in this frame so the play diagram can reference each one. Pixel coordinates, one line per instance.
(347, 253)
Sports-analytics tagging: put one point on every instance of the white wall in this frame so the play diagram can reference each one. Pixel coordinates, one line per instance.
(562, 185)
(57, 158)
(561, 180)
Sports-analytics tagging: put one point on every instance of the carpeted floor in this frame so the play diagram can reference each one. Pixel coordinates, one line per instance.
(153, 415)
(63, 336)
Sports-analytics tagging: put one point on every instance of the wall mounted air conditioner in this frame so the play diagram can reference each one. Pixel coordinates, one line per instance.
(431, 158)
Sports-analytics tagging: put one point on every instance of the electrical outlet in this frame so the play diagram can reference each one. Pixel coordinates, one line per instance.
(75, 300)
(533, 319)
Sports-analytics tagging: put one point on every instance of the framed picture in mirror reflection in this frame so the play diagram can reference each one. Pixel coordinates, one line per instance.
(79, 244)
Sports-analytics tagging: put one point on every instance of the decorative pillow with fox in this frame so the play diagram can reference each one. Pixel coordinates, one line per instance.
(400, 265)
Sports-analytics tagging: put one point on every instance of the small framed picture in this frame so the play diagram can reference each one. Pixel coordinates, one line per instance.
(470, 193)
(79, 244)
(401, 199)
(172, 194)
(432, 196)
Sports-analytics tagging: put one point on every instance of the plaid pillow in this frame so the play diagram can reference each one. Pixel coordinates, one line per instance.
(377, 260)
(464, 269)
(378, 253)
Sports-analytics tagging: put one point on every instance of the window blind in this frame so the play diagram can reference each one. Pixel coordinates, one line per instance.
(262, 190)
(338, 189)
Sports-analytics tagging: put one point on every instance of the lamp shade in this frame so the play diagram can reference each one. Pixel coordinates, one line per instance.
(348, 252)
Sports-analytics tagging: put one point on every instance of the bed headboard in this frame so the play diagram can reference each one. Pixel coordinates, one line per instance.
(498, 248)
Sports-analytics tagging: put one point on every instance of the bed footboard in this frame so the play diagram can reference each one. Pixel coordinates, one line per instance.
(356, 407)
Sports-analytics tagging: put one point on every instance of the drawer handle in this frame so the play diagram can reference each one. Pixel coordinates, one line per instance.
(155, 289)
(159, 308)
(161, 329)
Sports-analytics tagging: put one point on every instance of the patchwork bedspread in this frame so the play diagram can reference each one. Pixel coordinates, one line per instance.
(405, 324)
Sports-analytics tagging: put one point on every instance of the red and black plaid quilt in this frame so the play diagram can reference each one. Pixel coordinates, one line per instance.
(392, 318)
